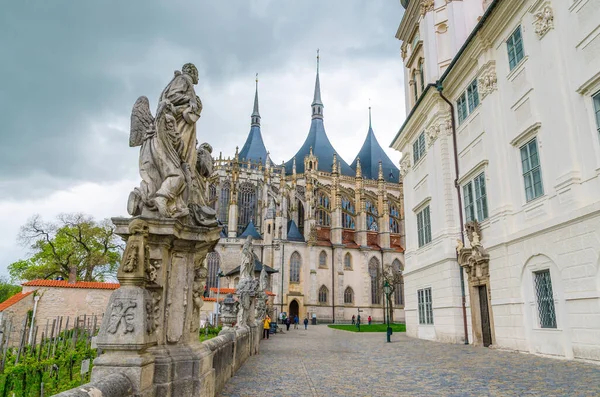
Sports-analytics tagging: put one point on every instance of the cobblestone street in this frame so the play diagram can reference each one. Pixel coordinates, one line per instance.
(326, 362)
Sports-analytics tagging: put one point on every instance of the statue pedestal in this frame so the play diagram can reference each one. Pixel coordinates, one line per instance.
(150, 328)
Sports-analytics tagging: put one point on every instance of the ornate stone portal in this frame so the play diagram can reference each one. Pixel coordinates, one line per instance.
(475, 260)
(150, 329)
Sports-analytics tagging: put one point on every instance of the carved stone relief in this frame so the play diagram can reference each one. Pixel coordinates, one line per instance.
(405, 164)
(122, 313)
(426, 6)
(543, 21)
(432, 134)
(488, 82)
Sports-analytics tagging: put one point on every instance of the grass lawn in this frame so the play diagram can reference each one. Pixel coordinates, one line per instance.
(370, 328)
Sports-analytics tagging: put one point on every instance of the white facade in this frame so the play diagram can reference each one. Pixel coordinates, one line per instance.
(529, 116)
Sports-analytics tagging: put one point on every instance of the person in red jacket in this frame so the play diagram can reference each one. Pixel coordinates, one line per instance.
(369, 319)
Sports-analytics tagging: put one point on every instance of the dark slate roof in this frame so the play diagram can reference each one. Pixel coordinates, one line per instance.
(254, 149)
(322, 149)
(370, 154)
(293, 234)
(251, 231)
(257, 268)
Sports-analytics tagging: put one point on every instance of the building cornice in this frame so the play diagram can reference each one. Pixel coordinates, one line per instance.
(409, 19)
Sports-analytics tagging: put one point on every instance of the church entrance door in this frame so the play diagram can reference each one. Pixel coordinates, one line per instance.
(486, 331)
(294, 310)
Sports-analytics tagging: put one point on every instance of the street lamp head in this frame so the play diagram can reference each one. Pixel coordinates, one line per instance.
(386, 288)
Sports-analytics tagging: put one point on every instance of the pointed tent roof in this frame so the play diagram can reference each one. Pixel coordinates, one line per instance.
(251, 231)
(293, 234)
(371, 154)
(254, 148)
(318, 140)
(258, 266)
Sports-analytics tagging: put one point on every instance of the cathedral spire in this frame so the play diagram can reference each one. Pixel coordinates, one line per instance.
(255, 114)
(317, 104)
(370, 114)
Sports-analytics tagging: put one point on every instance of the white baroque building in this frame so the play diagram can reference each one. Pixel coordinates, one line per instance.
(501, 151)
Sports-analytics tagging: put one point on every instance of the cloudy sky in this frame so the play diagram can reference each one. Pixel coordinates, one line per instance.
(71, 71)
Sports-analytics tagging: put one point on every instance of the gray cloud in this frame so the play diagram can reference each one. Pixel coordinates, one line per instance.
(71, 71)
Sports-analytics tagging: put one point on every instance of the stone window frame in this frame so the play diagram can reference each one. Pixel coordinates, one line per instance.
(348, 213)
(372, 214)
(596, 107)
(323, 260)
(542, 282)
(295, 267)
(475, 207)
(348, 261)
(213, 264)
(375, 275)
(394, 212)
(323, 294)
(399, 287)
(224, 198)
(323, 209)
(348, 296)
(425, 306)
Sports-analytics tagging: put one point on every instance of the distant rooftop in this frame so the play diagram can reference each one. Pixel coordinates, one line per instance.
(65, 284)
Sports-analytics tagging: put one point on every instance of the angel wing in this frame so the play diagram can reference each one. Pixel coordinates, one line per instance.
(142, 121)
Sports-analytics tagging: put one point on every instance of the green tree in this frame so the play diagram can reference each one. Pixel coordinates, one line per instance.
(73, 241)
(7, 289)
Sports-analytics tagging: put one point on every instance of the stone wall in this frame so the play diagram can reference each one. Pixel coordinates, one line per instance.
(226, 354)
(69, 302)
(15, 314)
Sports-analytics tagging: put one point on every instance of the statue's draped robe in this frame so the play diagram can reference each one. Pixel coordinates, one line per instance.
(165, 150)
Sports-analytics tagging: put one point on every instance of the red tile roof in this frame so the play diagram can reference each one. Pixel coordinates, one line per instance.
(269, 293)
(65, 284)
(223, 290)
(14, 299)
(207, 299)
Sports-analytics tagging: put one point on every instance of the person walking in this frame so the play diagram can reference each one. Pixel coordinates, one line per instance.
(266, 327)
(305, 322)
(358, 322)
(369, 320)
(296, 321)
(287, 324)
(353, 319)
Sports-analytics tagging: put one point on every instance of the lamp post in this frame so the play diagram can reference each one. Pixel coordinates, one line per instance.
(219, 275)
(387, 290)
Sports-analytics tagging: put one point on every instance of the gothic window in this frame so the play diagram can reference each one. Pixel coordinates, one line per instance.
(246, 205)
(348, 261)
(295, 264)
(323, 209)
(399, 287)
(323, 291)
(224, 202)
(348, 295)
(372, 216)
(212, 195)
(300, 217)
(348, 213)
(394, 218)
(323, 259)
(213, 262)
(375, 274)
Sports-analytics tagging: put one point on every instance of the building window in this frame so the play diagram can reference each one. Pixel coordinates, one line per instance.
(372, 216)
(425, 307)
(213, 262)
(419, 147)
(323, 209)
(323, 259)
(467, 102)
(597, 109)
(247, 205)
(475, 198)
(212, 196)
(348, 295)
(295, 263)
(300, 207)
(545, 299)
(422, 76)
(532, 172)
(348, 261)
(424, 227)
(514, 45)
(323, 294)
(375, 274)
(399, 282)
(414, 79)
(394, 218)
(224, 202)
(348, 213)
(473, 96)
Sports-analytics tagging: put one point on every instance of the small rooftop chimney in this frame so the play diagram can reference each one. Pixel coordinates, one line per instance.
(73, 275)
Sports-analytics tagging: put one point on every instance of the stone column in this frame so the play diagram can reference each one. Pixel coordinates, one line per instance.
(150, 328)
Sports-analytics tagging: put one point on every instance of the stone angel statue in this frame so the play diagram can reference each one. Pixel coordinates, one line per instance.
(168, 154)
